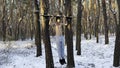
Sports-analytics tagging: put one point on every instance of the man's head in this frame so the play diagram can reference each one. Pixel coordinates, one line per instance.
(58, 20)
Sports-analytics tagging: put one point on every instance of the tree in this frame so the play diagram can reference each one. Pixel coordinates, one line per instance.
(105, 21)
(116, 61)
(46, 35)
(3, 21)
(97, 21)
(113, 12)
(85, 20)
(69, 34)
(78, 27)
(38, 30)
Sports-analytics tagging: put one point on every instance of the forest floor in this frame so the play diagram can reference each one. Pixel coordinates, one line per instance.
(21, 54)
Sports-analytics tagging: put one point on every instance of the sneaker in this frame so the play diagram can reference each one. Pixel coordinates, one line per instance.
(63, 60)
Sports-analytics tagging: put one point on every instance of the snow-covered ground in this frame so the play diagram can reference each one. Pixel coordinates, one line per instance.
(21, 54)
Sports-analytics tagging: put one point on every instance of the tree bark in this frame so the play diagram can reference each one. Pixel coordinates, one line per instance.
(97, 22)
(105, 22)
(3, 22)
(69, 35)
(46, 35)
(38, 30)
(114, 14)
(116, 61)
(78, 28)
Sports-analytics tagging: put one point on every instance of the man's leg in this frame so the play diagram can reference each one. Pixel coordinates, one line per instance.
(62, 51)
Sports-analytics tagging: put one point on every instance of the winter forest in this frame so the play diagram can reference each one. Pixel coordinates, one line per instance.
(59, 33)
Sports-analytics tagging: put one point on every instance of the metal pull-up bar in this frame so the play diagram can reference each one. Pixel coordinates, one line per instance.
(57, 16)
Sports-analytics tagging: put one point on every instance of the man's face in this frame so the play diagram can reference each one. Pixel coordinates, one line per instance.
(58, 20)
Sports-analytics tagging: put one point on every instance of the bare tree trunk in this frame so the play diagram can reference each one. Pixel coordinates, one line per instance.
(105, 22)
(97, 22)
(116, 61)
(38, 30)
(86, 30)
(3, 22)
(78, 28)
(46, 35)
(69, 35)
(114, 14)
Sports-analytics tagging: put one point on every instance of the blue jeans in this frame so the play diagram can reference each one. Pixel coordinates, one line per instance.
(60, 46)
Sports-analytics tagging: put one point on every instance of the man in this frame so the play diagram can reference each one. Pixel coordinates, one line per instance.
(60, 41)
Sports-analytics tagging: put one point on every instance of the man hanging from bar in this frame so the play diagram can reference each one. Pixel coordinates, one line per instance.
(60, 40)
